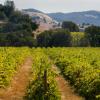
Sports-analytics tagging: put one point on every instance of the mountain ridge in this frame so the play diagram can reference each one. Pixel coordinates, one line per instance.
(91, 17)
(32, 10)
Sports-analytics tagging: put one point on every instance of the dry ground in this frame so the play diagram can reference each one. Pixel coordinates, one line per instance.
(19, 83)
(17, 89)
(67, 92)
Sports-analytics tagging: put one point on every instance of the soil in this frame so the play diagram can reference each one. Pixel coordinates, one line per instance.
(19, 83)
(66, 90)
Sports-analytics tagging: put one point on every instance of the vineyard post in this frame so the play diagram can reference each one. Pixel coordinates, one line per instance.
(45, 84)
(45, 80)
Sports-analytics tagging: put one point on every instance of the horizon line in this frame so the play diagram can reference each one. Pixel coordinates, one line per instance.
(62, 11)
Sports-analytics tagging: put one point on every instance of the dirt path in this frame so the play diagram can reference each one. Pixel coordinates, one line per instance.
(17, 89)
(67, 93)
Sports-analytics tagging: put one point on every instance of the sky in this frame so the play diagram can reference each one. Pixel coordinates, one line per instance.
(49, 6)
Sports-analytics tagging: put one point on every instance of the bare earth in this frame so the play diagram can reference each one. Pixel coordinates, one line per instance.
(18, 86)
(19, 83)
(67, 93)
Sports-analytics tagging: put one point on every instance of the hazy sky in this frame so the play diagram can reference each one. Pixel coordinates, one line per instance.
(58, 5)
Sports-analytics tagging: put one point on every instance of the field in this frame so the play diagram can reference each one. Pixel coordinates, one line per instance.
(80, 67)
(10, 59)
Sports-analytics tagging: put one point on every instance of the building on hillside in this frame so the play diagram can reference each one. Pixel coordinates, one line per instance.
(83, 26)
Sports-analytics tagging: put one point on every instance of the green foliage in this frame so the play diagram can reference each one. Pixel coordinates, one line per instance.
(57, 38)
(61, 38)
(10, 60)
(9, 8)
(93, 35)
(78, 39)
(81, 66)
(44, 39)
(34, 26)
(72, 27)
(24, 20)
(2, 16)
(39, 87)
(20, 38)
(17, 27)
(15, 17)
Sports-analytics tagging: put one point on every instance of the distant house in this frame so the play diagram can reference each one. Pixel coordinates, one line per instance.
(83, 26)
(2, 22)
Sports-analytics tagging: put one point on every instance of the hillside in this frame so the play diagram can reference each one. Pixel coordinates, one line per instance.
(41, 18)
(91, 17)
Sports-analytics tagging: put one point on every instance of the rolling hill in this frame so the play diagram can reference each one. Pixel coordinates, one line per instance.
(45, 22)
(91, 17)
(49, 20)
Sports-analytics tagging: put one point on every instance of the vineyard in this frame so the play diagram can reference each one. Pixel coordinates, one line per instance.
(79, 66)
(42, 85)
(10, 60)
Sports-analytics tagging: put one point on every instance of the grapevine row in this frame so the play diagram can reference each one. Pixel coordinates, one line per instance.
(42, 85)
(81, 66)
(10, 59)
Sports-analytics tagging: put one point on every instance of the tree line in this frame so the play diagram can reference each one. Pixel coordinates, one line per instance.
(15, 27)
(69, 36)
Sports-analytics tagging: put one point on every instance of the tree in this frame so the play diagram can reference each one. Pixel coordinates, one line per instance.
(2, 16)
(18, 18)
(15, 17)
(57, 38)
(11, 27)
(78, 39)
(18, 26)
(61, 38)
(44, 39)
(93, 35)
(9, 8)
(72, 27)
(20, 39)
(34, 26)
(1, 8)
(3, 41)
